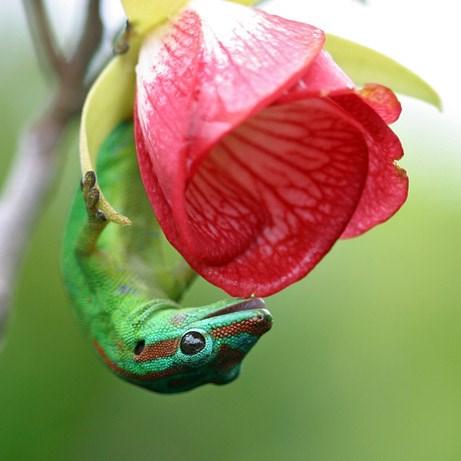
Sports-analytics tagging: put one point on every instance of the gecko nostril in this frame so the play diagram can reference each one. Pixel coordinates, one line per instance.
(260, 317)
(140, 345)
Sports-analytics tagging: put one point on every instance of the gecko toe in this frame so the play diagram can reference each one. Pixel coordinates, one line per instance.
(92, 198)
(101, 216)
(89, 180)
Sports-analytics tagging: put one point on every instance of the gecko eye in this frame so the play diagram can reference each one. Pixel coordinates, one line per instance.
(140, 345)
(192, 343)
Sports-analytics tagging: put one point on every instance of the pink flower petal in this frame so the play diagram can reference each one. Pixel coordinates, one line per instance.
(387, 184)
(323, 77)
(386, 189)
(382, 100)
(255, 150)
(213, 67)
(269, 201)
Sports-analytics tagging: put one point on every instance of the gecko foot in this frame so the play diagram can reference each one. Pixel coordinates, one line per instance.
(91, 196)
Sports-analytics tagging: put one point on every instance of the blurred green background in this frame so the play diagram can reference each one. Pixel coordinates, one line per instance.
(363, 362)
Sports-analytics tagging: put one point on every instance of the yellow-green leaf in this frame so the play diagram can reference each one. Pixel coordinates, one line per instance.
(145, 14)
(109, 102)
(365, 65)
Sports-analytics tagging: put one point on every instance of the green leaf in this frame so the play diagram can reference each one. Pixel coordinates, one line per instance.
(365, 65)
(109, 102)
(145, 14)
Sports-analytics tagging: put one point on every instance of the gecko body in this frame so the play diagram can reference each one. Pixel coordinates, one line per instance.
(126, 294)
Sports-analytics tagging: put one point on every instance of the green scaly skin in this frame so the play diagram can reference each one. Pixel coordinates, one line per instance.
(126, 293)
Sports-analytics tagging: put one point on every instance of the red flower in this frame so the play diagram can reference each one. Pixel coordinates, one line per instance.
(256, 151)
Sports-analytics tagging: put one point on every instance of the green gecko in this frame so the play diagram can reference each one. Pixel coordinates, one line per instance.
(126, 295)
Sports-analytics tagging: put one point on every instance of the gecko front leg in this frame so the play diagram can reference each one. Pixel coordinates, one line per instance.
(97, 220)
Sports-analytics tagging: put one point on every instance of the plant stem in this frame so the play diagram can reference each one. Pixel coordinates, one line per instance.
(35, 164)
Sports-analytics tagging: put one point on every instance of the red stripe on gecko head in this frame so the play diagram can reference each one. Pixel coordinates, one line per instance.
(151, 376)
(158, 350)
(254, 326)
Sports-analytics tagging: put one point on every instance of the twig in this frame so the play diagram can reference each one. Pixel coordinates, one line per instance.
(35, 164)
(92, 36)
(43, 37)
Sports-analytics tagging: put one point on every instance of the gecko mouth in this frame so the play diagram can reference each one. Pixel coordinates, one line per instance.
(247, 305)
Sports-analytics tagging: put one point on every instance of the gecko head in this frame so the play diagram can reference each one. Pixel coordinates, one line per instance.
(169, 349)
